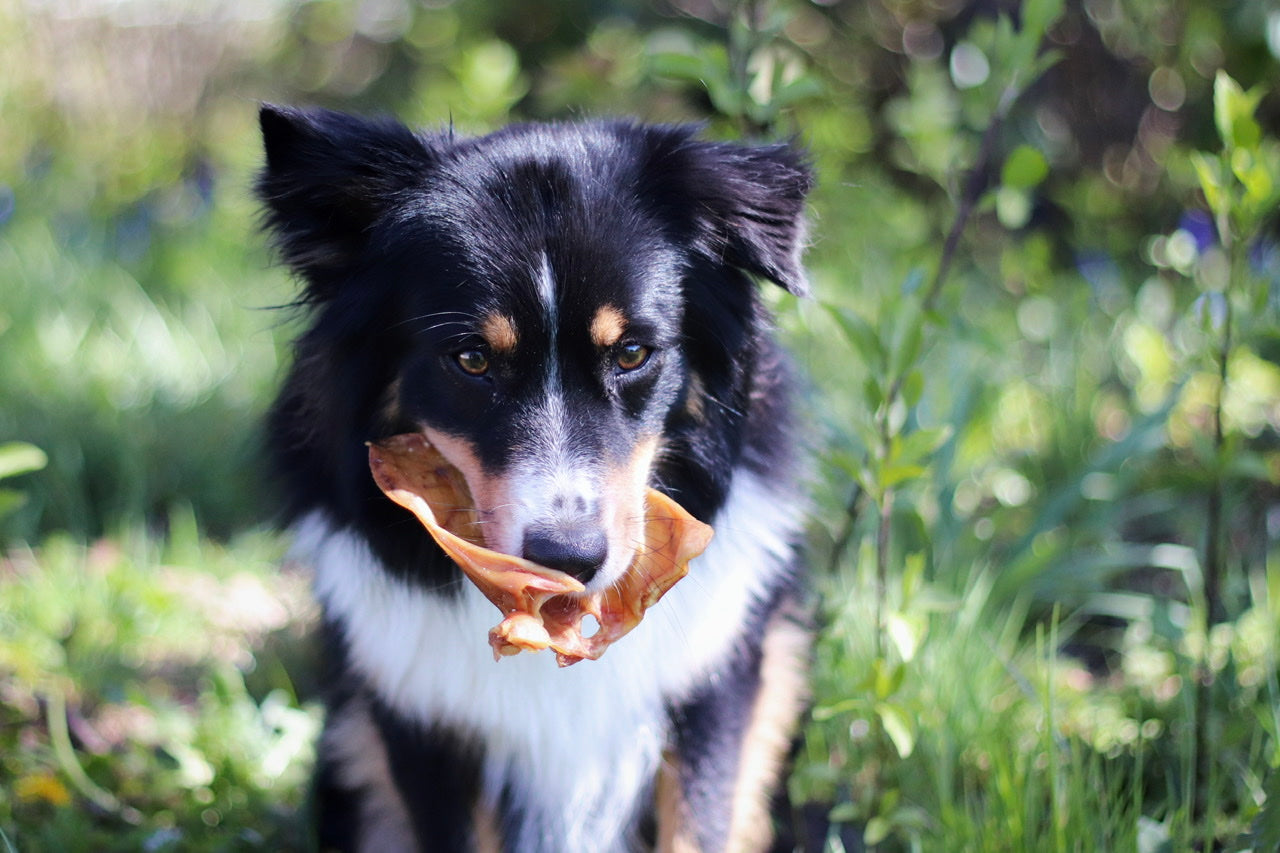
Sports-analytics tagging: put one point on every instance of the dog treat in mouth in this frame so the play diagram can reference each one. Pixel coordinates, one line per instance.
(542, 607)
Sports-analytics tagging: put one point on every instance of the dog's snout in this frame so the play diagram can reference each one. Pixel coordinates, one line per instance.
(575, 548)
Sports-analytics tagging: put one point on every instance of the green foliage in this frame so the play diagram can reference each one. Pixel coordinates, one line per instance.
(18, 457)
(1044, 365)
(989, 735)
(754, 78)
(146, 682)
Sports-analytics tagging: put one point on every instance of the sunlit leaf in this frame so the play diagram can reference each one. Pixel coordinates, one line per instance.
(1252, 173)
(917, 445)
(872, 393)
(859, 333)
(912, 575)
(1013, 207)
(886, 680)
(893, 475)
(1025, 167)
(1233, 110)
(877, 830)
(844, 813)
(678, 66)
(1208, 171)
(906, 634)
(19, 457)
(1039, 15)
(898, 726)
(826, 712)
(801, 89)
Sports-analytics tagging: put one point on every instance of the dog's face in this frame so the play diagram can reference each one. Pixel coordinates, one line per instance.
(532, 297)
(545, 354)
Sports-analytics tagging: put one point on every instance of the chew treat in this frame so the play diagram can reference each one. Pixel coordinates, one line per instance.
(541, 607)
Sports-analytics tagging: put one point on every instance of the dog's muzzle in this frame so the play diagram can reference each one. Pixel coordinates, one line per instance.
(578, 547)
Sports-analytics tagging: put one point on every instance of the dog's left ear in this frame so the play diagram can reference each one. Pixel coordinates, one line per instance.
(744, 204)
(328, 177)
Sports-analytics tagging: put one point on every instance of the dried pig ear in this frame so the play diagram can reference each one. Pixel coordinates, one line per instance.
(541, 607)
(414, 474)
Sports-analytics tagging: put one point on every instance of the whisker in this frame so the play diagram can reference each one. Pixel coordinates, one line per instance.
(730, 409)
(465, 315)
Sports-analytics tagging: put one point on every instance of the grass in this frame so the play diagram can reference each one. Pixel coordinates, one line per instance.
(149, 703)
(145, 343)
(1001, 743)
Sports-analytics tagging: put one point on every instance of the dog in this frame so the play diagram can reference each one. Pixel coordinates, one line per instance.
(570, 313)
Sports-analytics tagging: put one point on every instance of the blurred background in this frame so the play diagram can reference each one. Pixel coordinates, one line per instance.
(1044, 378)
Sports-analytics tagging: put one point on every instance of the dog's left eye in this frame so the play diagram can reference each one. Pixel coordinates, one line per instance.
(473, 362)
(632, 356)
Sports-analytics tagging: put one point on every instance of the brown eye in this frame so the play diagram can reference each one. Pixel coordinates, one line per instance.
(473, 362)
(632, 356)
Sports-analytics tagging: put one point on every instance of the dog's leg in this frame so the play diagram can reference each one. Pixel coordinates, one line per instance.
(357, 802)
(437, 774)
(389, 786)
(714, 793)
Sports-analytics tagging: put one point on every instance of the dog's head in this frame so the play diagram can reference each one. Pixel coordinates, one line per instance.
(553, 306)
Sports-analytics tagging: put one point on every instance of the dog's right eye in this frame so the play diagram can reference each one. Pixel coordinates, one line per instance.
(473, 362)
(632, 357)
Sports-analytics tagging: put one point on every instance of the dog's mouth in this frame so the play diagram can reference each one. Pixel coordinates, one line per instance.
(542, 607)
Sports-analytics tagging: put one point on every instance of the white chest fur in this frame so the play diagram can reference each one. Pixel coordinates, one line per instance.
(575, 745)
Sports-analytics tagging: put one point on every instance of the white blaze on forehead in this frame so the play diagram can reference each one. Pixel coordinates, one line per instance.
(550, 476)
(549, 472)
(547, 294)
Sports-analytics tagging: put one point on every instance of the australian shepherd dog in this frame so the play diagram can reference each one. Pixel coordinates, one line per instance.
(569, 313)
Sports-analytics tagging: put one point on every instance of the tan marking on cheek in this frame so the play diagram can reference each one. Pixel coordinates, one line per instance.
(389, 404)
(624, 497)
(695, 399)
(499, 331)
(491, 495)
(767, 740)
(608, 326)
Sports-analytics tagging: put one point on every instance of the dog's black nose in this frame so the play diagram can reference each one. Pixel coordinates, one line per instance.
(575, 549)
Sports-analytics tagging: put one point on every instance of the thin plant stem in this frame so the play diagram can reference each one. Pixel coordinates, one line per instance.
(60, 740)
(974, 185)
(882, 565)
(1214, 611)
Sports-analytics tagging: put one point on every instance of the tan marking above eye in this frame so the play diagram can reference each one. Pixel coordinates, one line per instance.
(607, 326)
(499, 331)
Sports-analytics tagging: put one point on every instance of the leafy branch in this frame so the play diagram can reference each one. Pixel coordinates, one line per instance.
(1241, 186)
(896, 454)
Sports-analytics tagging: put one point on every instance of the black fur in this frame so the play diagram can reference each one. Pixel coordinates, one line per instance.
(391, 231)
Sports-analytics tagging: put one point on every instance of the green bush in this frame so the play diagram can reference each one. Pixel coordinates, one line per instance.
(1044, 361)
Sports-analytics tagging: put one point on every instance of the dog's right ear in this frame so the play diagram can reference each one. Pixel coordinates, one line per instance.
(741, 204)
(328, 177)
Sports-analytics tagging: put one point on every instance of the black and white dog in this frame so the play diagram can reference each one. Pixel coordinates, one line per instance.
(569, 313)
